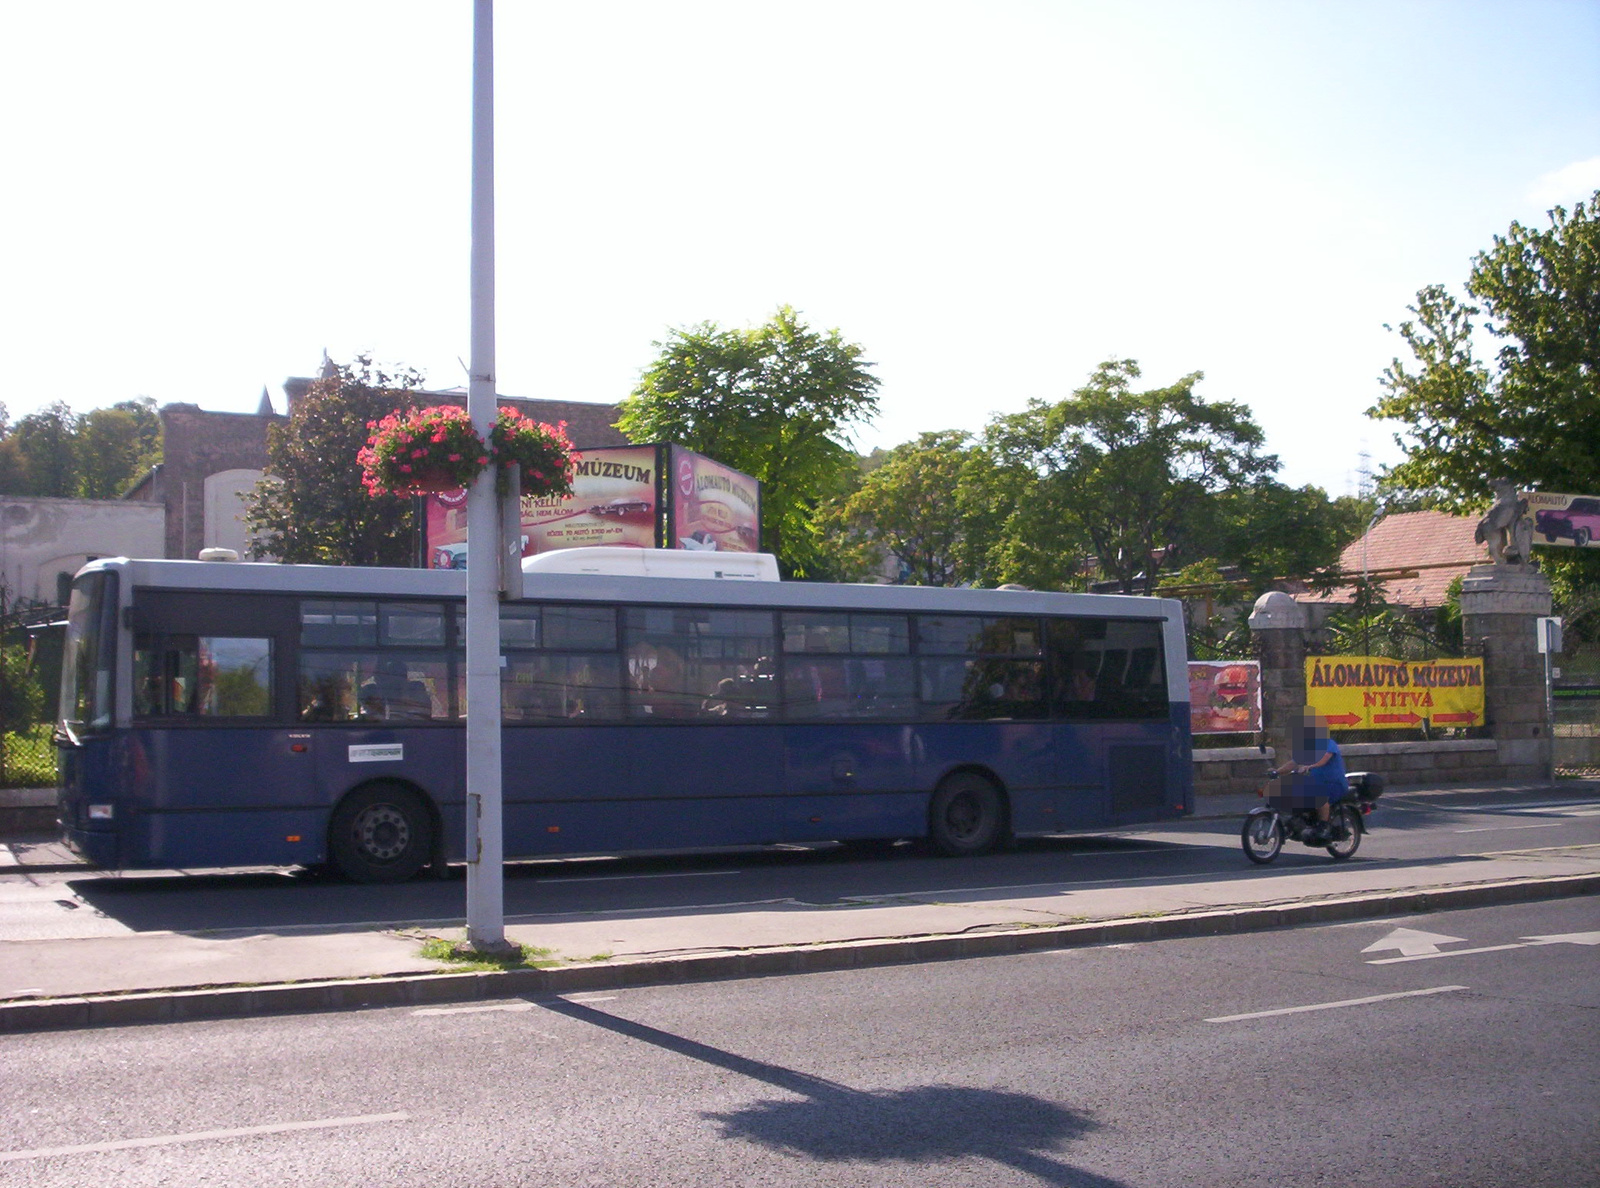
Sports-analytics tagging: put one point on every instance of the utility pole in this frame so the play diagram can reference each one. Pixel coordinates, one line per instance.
(485, 855)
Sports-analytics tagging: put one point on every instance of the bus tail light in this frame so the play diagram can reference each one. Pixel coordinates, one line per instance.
(102, 812)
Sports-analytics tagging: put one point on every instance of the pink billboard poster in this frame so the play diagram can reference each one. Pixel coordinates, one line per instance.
(613, 502)
(714, 507)
(1224, 696)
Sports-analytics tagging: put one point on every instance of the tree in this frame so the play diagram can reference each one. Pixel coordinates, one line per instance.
(311, 506)
(1133, 472)
(47, 444)
(933, 505)
(1269, 530)
(1533, 414)
(775, 401)
(115, 445)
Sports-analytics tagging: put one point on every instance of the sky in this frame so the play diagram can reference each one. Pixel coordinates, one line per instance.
(990, 198)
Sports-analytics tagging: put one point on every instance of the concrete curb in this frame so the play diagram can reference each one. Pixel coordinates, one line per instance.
(227, 1002)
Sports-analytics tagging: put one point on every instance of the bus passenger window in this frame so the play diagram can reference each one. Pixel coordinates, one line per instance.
(206, 676)
(560, 688)
(347, 686)
(1106, 669)
(679, 657)
(391, 693)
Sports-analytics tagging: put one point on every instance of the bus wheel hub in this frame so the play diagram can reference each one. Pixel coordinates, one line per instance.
(382, 832)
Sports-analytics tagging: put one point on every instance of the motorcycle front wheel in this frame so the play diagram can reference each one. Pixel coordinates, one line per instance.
(1261, 836)
(1347, 821)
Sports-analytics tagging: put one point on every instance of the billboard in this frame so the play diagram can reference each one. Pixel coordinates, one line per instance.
(713, 506)
(1569, 520)
(1377, 693)
(620, 498)
(1224, 696)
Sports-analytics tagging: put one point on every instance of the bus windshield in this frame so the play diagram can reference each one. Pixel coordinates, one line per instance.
(88, 658)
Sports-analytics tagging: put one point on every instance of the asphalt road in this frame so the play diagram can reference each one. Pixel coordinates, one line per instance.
(1455, 1049)
(1410, 830)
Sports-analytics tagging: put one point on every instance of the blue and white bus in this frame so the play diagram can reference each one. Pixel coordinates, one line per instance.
(219, 714)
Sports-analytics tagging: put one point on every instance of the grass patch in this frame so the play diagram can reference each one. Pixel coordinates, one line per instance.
(463, 957)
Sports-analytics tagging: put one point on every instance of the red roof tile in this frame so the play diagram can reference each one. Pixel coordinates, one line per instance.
(1439, 547)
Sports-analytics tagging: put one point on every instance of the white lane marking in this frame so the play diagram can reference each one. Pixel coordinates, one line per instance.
(164, 1140)
(1451, 953)
(1410, 942)
(1542, 806)
(687, 874)
(590, 997)
(474, 1010)
(1528, 942)
(1508, 828)
(1328, 1006)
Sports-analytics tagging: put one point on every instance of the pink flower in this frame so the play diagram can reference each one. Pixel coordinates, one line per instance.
(405, 467)
(455, 457)
(419, 453)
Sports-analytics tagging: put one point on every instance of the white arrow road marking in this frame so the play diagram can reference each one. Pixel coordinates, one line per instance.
(163, 1140)
(1328, 1006)
(1412, 942)
(1565, 938)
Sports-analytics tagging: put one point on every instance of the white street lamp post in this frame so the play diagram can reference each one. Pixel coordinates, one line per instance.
(485, 857)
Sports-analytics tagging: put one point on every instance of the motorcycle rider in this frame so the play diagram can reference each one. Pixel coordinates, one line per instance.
(1315, 772)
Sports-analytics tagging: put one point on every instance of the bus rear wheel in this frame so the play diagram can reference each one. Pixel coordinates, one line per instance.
(966, 815)
(381, 834)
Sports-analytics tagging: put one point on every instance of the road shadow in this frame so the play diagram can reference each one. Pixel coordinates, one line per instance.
(271, 902)
(831, 1122)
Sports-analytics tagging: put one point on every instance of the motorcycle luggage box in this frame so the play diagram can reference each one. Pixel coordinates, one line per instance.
(1368, 785)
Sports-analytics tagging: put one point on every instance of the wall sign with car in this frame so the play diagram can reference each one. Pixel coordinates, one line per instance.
(1572, 521)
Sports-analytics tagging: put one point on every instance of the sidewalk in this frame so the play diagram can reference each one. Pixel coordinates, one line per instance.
(125, 976)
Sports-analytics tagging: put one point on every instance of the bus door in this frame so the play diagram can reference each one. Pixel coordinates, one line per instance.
(849, 751)
(221, 781)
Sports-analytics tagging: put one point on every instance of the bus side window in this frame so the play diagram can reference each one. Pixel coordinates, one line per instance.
(679, 659)
(205, 676)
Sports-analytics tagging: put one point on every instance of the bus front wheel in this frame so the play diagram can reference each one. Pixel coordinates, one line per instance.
(381, 834)
(966, 815)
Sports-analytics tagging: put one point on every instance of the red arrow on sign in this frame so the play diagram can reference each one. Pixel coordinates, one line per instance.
(1344, 719)
(1408, 719)
(1469, 716)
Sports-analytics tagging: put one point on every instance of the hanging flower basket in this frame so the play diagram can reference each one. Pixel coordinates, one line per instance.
(413, 451)
(544, 453)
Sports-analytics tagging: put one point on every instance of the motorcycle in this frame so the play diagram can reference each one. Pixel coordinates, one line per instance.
(1266, 828)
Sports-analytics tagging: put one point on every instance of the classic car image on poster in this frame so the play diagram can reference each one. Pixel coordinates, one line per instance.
(1377, 693)
(1572, 521)
(1224, 696)
(621, 498)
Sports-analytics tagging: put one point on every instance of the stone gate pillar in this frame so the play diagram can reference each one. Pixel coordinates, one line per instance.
(1499, 606)
(1278, 625)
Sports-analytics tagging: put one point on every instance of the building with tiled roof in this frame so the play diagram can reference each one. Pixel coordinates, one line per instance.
(1414, 556)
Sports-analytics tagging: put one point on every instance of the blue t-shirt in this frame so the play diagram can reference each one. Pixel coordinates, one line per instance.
(1327, 780)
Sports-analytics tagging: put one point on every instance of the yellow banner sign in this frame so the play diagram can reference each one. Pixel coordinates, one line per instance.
(1377, 693)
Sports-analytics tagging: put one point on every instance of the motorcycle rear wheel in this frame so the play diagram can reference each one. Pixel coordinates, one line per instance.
(1261, 837)
(1349, 820)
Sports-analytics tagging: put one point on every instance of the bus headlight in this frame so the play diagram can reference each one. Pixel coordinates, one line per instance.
(102, 812)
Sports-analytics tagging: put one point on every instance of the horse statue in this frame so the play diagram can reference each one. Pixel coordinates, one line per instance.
(1507, 530)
